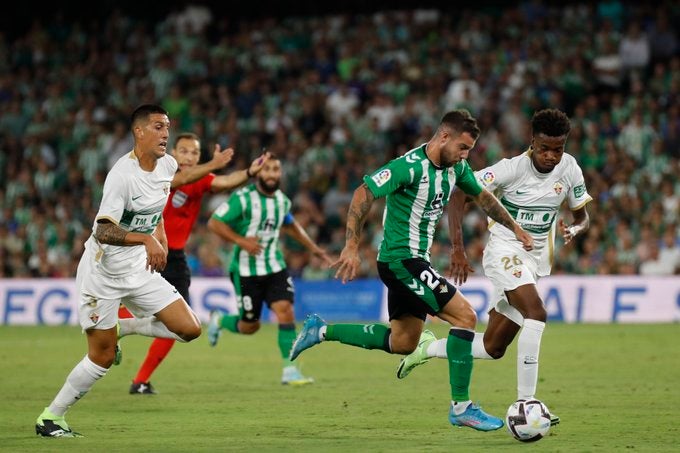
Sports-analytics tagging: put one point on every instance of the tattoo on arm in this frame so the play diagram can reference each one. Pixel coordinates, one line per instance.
(358, 210)
(108, 233)
(494, 209)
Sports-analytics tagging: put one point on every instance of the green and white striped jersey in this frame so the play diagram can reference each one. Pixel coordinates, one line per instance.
(416, 191)
(253, 214)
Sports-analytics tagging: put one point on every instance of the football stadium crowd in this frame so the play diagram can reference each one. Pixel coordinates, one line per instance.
(336, 96)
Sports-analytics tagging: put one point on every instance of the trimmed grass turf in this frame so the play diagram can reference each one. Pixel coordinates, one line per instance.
(614, 386)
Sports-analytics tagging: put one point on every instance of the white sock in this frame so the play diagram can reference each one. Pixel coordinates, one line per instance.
(322, 333)
(78, 383)
(478, 349)
(460, 406)
(437, 349)
(528, 347)
(149, 327)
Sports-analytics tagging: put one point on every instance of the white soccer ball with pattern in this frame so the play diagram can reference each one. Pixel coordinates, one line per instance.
(528, 420)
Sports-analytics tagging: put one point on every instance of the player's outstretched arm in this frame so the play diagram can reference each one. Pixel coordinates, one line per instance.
(249, 244)
(298, 233)
(494, 209)
(459, 267)
(349, 261)
(189, 175)
(237, 178)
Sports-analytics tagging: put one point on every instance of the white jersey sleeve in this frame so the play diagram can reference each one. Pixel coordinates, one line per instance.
(497, 176)
(116, 192)
(578, 194)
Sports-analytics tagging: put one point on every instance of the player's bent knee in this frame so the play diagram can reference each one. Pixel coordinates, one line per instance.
(248, 328)
(102, 358)
(190, 333)
(496, 352)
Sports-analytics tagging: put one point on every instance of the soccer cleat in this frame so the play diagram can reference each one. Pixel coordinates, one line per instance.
(214, 329)
(292, 376)
(474, 417)
(49, 425)
(142, 388)
(118, 352)
(308, 336)
(117, 355)
(554, 419)
(417, 357)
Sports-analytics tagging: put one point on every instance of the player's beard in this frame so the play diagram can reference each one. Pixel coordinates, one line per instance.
(269, 186)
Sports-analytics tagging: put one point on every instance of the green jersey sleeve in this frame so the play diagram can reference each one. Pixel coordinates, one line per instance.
(230, 210)
(465, 178)
(391, 176)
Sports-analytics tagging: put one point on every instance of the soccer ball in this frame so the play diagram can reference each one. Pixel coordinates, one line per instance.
(528, 420)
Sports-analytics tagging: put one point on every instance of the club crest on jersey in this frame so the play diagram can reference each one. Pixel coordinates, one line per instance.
(488, 177)
(517, 272)
(179, 198)
(382, 177)
(558, 188)
(94, 317)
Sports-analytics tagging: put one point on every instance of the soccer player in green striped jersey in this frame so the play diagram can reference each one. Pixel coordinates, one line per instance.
(252, 220)
(418, 186)
(533, 186)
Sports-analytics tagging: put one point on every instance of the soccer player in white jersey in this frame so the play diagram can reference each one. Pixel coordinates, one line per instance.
(532, 186)
(252, 219)
(121, 263)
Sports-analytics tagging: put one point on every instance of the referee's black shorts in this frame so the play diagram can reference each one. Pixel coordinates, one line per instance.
(177, 273)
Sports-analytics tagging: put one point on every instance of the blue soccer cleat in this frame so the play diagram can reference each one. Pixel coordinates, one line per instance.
(308, 336)
(474, 417)
(214, 329)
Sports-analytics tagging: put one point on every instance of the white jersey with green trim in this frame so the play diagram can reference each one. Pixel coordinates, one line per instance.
(534, 199)
(134, 200)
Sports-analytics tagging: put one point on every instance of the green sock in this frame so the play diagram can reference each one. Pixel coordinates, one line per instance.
(286, 339)
(230, 322)
(459, 352)
(367, 336)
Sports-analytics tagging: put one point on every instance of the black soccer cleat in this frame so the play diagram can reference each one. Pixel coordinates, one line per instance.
(143, 388)
(49, 428)
(554, 420)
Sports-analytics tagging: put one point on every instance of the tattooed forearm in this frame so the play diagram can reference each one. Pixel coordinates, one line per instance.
(358, 210)
(108, 233)
(494, 209)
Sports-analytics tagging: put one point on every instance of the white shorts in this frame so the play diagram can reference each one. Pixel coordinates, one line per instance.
(508, 267)
(100, 296)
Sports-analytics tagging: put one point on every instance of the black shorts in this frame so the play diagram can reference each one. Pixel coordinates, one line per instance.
(251, 292)
(177, 273)
(414, 288)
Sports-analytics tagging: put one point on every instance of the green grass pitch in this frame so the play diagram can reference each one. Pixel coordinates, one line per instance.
(616, 388)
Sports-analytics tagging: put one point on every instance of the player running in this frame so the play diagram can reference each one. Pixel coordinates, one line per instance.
(418, 186)
(532, 186)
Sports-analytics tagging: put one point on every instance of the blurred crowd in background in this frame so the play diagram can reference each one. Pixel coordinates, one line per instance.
(336, 97)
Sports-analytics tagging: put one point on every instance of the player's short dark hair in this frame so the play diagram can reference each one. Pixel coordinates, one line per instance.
(550, 122)
(188, 136)
(461, 121)
(143, 111)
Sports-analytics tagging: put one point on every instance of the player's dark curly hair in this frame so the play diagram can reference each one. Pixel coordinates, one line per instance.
(461, 121)
(551, 122)
(143, 112)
